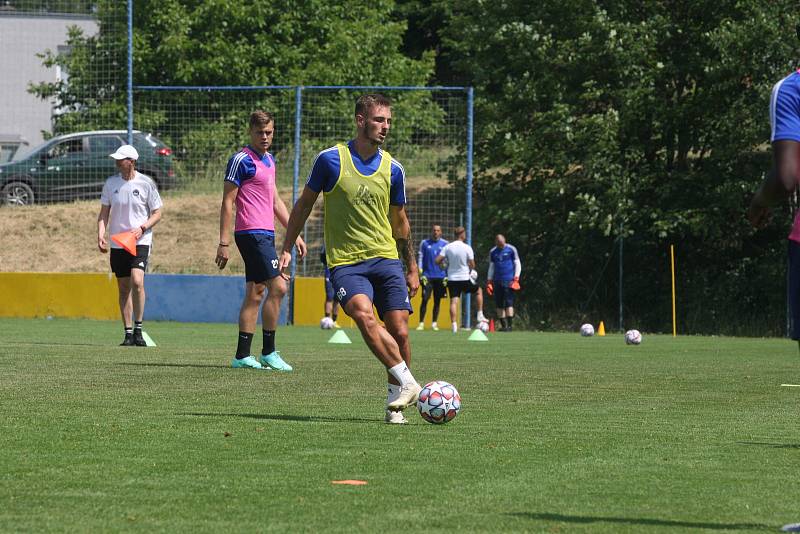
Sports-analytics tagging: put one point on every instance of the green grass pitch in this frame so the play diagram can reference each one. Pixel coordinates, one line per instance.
(558, 433)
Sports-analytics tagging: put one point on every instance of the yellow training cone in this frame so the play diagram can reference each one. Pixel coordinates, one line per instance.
(601, 330)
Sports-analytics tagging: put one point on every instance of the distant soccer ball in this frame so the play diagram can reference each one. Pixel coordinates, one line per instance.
(633, 337)
(439, 402)
(483, 326)
(587, 330)
(326, 323)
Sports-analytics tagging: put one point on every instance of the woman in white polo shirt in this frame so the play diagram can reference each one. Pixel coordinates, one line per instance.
(129, 203)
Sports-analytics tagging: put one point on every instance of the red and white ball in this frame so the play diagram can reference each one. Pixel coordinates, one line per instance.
(483, 326)
(633, 337)
(439, 402)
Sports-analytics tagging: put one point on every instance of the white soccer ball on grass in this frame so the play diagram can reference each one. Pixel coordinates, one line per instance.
(633, 337)
(587, 330)
(483, 326)
(326, 323)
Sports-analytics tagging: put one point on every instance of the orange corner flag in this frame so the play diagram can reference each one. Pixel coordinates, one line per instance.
(126, 241)
(601, 330)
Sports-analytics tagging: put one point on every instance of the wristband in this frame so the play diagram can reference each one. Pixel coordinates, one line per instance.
(142, 228)
(223, 245)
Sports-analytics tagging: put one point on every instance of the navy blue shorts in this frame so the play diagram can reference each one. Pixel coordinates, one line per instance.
(503, 294)
(380, 279)
(794, 289)
(260, 258)
(328, 286)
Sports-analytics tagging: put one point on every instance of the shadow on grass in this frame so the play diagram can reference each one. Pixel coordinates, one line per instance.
(640, 521)
(771, 445)
(195, 365)
(57, 344)
(284, 417)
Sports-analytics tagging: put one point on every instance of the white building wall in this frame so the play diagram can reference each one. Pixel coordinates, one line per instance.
(21, 38)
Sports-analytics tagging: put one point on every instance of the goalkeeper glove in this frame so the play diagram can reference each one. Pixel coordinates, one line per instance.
(490, 288)
(444, 281)
(423, 279)
(515, 283)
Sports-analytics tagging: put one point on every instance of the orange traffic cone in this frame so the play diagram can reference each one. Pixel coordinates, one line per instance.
(126, 241)
(491, 325)
(601, 330)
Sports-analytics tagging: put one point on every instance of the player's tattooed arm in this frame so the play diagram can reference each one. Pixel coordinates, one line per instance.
(406, 251)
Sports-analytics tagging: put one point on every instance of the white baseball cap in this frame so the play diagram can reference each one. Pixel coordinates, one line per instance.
(125, 152)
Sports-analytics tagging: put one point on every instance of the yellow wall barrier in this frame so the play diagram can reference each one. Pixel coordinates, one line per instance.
(93, 296)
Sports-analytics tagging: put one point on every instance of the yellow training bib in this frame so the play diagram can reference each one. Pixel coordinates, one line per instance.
(357, 226)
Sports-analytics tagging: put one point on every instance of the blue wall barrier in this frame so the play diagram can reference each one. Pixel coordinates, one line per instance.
(197, 298)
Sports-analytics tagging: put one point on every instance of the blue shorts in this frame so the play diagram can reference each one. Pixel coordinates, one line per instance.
(328, 286)
(380, 279)
(260, 258)
(503, 294)
(793, 290)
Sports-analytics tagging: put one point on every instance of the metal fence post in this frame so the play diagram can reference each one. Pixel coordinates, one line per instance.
(470, 104)
(130, 72)
(298, 121)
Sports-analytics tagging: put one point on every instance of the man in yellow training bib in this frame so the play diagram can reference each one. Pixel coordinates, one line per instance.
(365, 227)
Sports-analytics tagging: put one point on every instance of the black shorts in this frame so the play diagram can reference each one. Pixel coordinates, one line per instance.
(123, 261)
(456, 288)
(435, 286)
(260, 258)
(503, 294)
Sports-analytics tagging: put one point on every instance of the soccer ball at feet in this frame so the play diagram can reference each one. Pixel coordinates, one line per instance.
(439, 402)
(587, 330)
(483, 326)
(326, 323)
(633, 337)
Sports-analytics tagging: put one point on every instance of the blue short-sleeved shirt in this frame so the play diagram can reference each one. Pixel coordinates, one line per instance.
(241, 166)
(325, 172)
(428, 251)
(784, 109)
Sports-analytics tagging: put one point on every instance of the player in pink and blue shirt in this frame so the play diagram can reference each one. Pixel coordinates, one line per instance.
(784, 114)
(250, 186)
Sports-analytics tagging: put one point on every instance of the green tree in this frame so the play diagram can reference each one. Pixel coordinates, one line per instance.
(642, 120)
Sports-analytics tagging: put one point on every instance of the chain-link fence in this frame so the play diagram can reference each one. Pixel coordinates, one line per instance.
(204, 126)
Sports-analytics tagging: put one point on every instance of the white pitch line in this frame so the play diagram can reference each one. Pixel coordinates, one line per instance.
(790, 385)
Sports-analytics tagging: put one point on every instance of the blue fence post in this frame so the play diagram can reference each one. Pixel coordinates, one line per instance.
(470, 104)
(130, 72)
(298, 121)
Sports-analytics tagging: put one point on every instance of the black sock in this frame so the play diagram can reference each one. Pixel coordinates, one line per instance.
(327, 314)
(128, 331)
(137, 325)
(335, 315)
(509, 318)
(269, 342)
(243, 347)
(503, 322)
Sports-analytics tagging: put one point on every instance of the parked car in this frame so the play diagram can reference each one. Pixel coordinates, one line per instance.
(76, 166)
(10, 145)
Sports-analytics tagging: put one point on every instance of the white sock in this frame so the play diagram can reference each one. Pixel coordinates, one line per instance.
(455, 327)
(394, 393)
(434, 325)
(402, 374)
(481, 316)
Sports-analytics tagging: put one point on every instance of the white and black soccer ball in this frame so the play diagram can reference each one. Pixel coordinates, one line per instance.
(326, 323)
(483, 326)
(587, 330)
(439, 402)
(633, 337)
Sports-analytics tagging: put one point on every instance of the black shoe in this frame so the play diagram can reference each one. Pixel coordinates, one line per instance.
(128, 341)
(138, 340)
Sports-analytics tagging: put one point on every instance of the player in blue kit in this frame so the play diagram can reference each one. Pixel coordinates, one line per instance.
(366, 234)
(784, 113)
(431, 275)
(503, 279)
